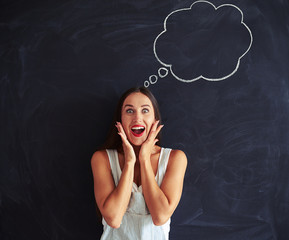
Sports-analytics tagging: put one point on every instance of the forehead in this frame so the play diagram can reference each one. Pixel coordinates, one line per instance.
(137, 99)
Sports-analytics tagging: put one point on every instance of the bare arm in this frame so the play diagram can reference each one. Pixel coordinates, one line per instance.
(111, 200)
(163, 200)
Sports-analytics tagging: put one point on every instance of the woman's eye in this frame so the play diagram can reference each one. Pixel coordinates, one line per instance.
(145, 110)
(129, 111)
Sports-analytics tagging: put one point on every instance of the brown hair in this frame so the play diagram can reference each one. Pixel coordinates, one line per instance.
(113, 140)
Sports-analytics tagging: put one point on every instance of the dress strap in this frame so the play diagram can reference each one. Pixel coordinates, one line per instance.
(163, 163)
(116, 171)
(114, 165)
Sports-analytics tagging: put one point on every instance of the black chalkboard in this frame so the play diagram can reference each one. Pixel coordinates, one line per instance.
(219, 70)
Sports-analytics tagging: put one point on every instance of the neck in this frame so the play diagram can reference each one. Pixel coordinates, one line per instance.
(136, 151)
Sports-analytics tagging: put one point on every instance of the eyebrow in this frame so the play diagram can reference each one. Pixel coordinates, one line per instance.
(145, 105)
(129, 105)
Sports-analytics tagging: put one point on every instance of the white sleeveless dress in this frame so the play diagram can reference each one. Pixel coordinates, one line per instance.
(137, 222)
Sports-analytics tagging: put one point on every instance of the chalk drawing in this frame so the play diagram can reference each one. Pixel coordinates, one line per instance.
(200, 17)
(162, 72)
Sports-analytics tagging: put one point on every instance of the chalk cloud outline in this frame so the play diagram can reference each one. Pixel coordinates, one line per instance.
(201, 76)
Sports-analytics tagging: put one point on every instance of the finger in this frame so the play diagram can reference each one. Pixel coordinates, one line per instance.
(154, 133)
(152, 137)
(154, 128)
(120, 128)
(159, 128)
(116, 125)
(155, 125)
(155, 141)
(123, 138)
(121, 131)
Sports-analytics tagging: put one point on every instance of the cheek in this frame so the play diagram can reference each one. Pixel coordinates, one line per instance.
(125, 123)
(123, 120)
(151, 122)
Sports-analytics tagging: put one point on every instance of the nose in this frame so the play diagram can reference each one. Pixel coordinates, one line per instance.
(138, 117)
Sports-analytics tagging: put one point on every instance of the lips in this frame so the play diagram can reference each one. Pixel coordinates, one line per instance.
(137, 130)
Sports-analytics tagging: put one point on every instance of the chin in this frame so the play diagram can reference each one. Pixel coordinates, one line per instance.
(137, 142)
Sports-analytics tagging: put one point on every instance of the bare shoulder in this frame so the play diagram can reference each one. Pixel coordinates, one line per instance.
(175, 172)
(177, 160)
(178, 155)
(99, 158)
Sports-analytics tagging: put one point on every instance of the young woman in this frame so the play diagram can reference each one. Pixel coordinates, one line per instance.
(137, 183)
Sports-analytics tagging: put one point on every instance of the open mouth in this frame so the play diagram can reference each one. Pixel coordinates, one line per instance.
(137, 130)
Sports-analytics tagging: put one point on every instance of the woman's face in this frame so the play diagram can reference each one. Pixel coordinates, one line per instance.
(137, 117)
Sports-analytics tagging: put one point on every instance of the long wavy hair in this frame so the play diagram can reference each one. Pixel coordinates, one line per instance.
(113, 140)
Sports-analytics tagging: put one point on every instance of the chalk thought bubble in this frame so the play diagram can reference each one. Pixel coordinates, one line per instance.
(202, 41)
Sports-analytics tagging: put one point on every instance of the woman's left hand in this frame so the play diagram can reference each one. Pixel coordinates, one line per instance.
(147, 147)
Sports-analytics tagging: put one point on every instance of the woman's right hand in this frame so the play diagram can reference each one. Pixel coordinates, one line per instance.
(129, 153)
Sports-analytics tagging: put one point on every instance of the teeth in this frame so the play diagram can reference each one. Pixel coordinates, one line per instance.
(137, 128)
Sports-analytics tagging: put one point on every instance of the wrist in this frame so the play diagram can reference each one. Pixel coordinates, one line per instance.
(129, 163)
(144, 160)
